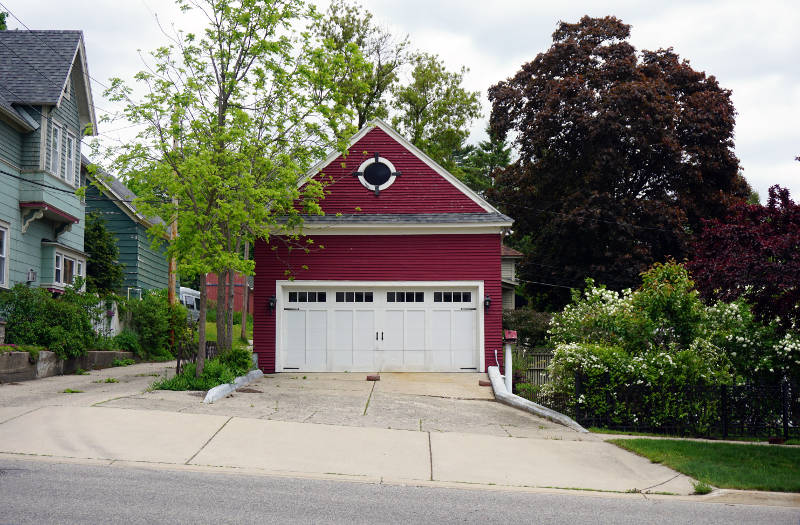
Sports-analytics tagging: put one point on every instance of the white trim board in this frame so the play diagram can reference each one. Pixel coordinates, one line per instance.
(378, 123)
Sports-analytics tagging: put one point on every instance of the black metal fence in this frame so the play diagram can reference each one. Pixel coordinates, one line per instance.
(720, 411)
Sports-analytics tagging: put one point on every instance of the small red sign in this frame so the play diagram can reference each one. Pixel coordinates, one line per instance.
(510, 335)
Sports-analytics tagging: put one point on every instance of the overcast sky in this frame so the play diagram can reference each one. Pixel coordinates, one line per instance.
(753, 48)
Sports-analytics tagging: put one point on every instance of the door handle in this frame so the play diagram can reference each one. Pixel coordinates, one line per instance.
(381, 336)
(376, 336)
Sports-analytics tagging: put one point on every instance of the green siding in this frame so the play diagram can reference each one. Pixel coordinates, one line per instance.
(10, 148)
(32, 142)
(143, 266)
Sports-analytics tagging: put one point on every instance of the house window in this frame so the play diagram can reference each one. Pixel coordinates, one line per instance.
(67, 268)
(71, 173)
(3, 255)
(55, 149)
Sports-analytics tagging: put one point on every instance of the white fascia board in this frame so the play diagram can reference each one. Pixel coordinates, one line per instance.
(379, 284)
(376, 122)
(399, 229)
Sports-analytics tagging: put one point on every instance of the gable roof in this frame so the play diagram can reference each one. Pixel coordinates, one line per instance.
(507, 251)
(422, 156)
(118, 193)
(35, 67)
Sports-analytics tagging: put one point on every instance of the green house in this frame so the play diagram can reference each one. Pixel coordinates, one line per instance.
(46, 108)
(144, 266)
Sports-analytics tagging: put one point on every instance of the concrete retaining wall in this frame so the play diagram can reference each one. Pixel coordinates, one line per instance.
(17, 366)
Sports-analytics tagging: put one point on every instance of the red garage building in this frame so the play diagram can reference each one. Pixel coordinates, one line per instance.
(403, 271)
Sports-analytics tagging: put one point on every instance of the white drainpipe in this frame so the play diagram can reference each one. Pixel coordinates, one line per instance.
(508, 373)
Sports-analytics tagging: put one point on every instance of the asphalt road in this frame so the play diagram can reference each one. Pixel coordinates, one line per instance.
(42, 492)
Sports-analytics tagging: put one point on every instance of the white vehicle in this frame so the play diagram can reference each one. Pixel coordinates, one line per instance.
(190, 298)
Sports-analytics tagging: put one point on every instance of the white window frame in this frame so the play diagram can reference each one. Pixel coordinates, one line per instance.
(55, 148)
(57, 274)
(71, 154)
(5, 232)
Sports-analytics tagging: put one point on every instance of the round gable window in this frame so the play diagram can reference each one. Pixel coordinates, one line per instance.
(376, 174)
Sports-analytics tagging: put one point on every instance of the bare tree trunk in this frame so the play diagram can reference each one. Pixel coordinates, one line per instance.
(201, 328)
(246, 294)
(222, 279)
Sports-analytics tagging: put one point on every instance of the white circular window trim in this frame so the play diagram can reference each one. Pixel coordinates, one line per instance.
(370, 161)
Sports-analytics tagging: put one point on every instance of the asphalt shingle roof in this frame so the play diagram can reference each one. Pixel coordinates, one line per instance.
(34, 65)
(408, 218)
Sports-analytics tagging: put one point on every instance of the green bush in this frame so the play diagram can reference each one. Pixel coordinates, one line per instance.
(33, 350)
(153, 319)
(128, 341)
(62, 324)
(214, 373)
(211, 315)
(238, 359)
(123, 362)
(655, 357)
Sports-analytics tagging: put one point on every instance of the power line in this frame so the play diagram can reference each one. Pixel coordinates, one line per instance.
(72, 192)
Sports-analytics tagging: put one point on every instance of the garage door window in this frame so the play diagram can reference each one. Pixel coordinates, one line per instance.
(353, 297)
(405, 297)
(307, 297)
(452, 297)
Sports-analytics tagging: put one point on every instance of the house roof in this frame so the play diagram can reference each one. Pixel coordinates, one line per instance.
(35, 67)
(507, 251)
(414, 150)
(407, 218)
(118, 193)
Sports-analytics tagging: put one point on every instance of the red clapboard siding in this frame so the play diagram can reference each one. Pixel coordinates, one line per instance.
(473, 257)
(418, 190)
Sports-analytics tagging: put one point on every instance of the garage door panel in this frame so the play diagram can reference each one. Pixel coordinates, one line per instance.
(295, 338)
(389, 360)
(464, 339)
(415, 330)
(440, 334)
(342, 330)
(414, 359)
(393, 330)
(365, 333)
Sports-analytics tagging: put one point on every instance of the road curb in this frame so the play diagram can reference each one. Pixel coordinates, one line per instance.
(505, 397)
(220, 391)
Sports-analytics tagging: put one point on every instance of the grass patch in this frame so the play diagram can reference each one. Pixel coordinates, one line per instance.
(123, 362)
(701, 488)
(111, 380)
(725, 465)
(211, 334)
(71, 391)
(81, 372)
(599, 430)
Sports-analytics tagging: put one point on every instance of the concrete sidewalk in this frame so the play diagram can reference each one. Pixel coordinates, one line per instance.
(368, 454)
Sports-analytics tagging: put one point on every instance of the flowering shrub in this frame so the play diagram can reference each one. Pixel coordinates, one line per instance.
(655, 357)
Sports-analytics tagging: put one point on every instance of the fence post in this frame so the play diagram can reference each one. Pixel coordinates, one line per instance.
(578, 394)
(785, 406)
(724, 394)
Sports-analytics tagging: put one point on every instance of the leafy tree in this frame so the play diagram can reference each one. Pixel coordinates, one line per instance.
(230, 117)
(754, 253)
(3, 24)
(372, 55)
(434, 110)
(103, 270)
(621, 153)
(475, 165)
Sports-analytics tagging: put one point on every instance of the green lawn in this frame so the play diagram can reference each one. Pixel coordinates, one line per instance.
(724, 465)
(211, 333)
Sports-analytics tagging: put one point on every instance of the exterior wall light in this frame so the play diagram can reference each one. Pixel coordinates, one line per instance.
(487, 302)
(271, 304)
(31, 277)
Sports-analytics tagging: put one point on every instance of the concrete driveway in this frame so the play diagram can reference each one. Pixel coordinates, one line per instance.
(426, 402)
(406, 428)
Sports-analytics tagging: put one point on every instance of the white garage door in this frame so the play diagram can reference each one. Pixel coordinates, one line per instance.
(379, 328)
